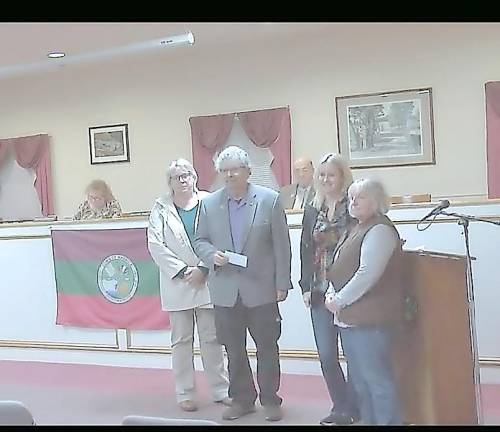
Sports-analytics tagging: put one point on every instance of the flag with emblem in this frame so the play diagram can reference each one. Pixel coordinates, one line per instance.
(106, 278)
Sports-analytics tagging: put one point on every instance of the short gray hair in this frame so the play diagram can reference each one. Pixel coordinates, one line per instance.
(342, 166)
(185, 165)
(232, 153)
(373, 188)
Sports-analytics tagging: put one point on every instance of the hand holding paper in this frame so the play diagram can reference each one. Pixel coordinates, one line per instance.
(220, 259)
(236, 259)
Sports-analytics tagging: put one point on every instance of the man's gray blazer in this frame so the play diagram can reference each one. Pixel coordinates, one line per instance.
(288, 194)
(266, 244)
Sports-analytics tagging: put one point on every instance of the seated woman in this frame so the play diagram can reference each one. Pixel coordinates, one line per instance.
(366, 298)
(99, 202)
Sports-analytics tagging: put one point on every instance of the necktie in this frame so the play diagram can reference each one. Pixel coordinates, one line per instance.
(299, 198)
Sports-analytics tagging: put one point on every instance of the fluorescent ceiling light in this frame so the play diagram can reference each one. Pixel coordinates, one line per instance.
(184, 38)
(88, 57)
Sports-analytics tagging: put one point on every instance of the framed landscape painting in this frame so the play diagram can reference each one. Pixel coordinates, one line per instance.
(386, 129)
(109, 144)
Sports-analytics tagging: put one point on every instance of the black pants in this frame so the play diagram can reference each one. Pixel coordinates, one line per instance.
(264, 324)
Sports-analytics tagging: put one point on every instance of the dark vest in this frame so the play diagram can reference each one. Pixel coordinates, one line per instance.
(383, 303)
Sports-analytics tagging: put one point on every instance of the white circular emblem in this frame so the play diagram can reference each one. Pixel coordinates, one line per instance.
(117, 278)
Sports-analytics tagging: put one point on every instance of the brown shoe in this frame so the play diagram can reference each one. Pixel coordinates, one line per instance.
(235, 411)
(188, 405)
(227, 401)
(273, 412)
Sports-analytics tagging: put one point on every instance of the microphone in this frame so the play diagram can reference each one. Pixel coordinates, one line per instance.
(441, 206)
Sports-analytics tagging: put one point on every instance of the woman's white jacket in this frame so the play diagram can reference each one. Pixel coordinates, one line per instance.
(171, 250)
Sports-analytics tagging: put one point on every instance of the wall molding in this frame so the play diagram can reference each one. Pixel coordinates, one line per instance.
(26, 237)
(61, 345)
(295, 354)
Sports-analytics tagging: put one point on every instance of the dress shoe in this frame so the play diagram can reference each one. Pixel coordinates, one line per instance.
(188, 405)
(273, 412)
(227, 401)
(235, 411)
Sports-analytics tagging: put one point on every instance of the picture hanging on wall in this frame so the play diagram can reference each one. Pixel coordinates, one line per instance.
(109, 144)
(386, 129)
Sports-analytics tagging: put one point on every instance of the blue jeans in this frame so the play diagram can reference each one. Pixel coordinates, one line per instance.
(326, 336)
(368, 353)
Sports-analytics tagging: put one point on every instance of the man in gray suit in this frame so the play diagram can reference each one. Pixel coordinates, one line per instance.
(297, 195)
(247, 220)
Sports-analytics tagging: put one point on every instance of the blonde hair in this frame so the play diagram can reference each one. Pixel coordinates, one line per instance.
(186, 166)
(374, 189)
(102, 187)
(341, 165)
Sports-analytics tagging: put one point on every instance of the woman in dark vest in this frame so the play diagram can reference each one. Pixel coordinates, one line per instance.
(325, 221)
(365, 297)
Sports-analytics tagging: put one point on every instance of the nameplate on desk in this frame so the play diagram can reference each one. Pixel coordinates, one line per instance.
(236, 259)
(135, 213)
(10, 221)
(45, 219)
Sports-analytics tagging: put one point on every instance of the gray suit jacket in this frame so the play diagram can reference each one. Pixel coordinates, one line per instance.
(288, 193)
(266, 244)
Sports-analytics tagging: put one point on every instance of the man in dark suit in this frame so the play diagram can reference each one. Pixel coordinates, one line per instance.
(297, 195)
(243, 239)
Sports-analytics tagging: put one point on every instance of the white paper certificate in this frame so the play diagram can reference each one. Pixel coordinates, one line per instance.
(236, 259)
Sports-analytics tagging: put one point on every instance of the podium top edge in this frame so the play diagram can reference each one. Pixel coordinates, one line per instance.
(435, 253)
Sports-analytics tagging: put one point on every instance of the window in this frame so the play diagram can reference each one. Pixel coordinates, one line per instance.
(260, 159)
(18, 197)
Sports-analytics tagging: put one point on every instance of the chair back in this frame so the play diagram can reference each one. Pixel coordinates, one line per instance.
(138, 420)
(15, 413)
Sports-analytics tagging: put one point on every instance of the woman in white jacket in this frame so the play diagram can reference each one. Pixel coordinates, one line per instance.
(183, 289)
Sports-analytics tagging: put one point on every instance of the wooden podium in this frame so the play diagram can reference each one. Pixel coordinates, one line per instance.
(433, 359)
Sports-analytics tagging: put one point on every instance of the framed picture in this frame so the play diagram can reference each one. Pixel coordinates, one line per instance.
(109, 144)
(386, 129)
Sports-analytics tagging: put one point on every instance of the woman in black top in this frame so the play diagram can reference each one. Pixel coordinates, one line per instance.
(326, 220)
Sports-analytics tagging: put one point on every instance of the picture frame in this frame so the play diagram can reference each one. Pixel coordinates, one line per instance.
(109, 144)
(385, 129)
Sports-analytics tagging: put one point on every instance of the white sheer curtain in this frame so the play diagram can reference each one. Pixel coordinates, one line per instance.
(260, 158)
(18, 197)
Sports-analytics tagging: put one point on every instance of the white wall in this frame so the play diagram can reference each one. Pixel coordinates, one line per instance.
(157, 94)
(28, 307)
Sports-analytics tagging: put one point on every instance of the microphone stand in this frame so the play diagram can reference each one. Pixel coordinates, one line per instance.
(464, 221)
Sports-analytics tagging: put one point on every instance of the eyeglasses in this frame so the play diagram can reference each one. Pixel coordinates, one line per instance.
(95, 198)
(182, 177)
(326, 158)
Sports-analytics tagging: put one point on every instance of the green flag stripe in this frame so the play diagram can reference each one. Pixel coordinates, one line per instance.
(80, 278)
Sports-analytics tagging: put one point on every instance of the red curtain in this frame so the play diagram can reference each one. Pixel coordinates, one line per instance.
(265, 128)
(32, 152)
(492, 90)
(208, 134)
(271, 129)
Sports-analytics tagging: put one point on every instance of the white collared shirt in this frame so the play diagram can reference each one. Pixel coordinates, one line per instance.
(300, 197)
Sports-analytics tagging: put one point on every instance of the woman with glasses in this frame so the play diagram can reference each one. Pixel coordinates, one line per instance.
(183, 288)
(99, 202)
(326, 220)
